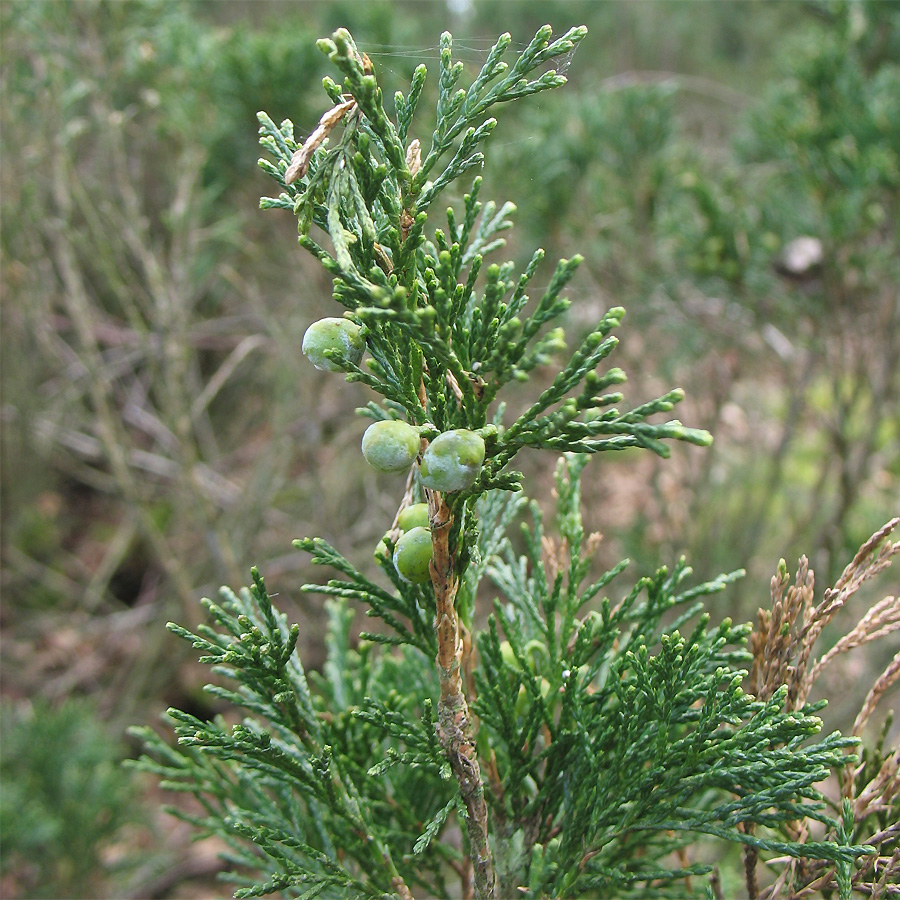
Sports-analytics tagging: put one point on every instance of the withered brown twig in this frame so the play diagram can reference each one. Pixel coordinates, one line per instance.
(782, 649)
(300, 160)
(885, 681)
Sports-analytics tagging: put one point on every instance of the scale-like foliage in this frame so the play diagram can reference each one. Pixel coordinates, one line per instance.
(591, 731)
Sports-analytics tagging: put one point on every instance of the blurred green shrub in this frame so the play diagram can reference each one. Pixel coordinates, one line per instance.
(694, 199)
(64, 801)
(816, 171)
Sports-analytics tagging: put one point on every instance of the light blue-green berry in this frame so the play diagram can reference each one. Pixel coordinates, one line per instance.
(452, 461)
(414, 516)
(341, 336)
(390, 446)
(381, 549)
(413, 554)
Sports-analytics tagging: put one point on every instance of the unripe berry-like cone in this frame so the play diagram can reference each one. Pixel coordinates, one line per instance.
(341, 337)
(413, 516)
(412, 555)
(452, 461)
(390, 446)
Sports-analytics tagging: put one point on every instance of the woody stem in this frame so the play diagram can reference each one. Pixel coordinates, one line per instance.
(454, 728)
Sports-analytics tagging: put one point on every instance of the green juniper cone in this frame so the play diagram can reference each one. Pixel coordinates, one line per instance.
(334, 344)
(390, 445)
(412, 516)
(583, 737)
(452, 461)
(412, 555)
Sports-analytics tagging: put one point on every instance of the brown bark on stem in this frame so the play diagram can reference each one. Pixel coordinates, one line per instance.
(400, 887)
(751, 857)
(454, 726)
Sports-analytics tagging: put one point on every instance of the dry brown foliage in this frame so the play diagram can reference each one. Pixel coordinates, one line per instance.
(783, 645)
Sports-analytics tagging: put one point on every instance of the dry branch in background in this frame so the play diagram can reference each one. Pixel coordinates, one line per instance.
(782, 647)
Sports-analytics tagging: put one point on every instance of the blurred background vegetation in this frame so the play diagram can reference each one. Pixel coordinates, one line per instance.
(730, 171)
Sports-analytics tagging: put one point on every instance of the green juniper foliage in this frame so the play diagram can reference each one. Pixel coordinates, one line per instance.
(591, 732)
